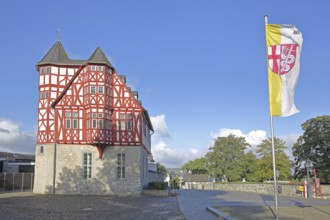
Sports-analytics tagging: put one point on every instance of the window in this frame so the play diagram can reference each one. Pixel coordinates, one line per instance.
(121, 166)
(45, 70)
(126, 121)
(97, 120)
(44, 95)
(101, 89)
(71, 120)
(41, 150)
(93, 89)
(87, 165)
(108, 91)
(101, 123)
(74, 123)
(86, 90)
(109, 70)
(93, 68)
(100, 68)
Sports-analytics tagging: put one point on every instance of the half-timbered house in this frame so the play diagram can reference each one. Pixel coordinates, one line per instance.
(94, 135)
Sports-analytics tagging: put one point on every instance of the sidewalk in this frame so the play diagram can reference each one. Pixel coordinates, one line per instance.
(241, 205)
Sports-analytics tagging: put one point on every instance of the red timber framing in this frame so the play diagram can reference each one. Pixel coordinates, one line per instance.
(87, 103)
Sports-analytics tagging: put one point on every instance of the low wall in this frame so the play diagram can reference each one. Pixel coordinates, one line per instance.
(155, 176)
(261, 188)
(155, 192)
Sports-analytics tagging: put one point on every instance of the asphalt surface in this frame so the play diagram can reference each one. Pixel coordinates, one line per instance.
(188, 204)
(30, 206)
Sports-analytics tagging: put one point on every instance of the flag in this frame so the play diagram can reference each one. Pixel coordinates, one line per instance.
(284, 44)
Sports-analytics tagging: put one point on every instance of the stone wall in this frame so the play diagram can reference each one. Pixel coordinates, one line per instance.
(70, 172)
(155, 176)
(44, 167)
(286, 189)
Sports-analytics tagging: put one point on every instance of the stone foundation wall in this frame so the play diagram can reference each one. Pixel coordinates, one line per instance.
(70, 170)
(286, 189)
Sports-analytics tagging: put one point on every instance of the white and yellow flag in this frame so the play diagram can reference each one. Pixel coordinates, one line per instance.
(284, 44)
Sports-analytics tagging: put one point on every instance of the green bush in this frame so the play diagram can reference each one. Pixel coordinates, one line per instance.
(157, 185)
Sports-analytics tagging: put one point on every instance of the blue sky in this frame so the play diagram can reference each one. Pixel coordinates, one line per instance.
(199, 66)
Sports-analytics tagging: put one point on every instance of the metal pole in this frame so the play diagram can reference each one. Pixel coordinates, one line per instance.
(32, 176)
(13, 181)
(54, 158)
(273, 152)
(274, 166)
(22, 182)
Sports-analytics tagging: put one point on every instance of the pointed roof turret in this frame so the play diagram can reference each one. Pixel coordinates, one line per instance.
(57, 55)
(99, 57)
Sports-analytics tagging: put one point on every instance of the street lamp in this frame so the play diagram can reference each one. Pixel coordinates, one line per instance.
(172, 178)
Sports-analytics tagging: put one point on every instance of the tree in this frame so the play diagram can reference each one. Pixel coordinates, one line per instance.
(197, 166)
(314, 147)
(265, 162)
(249, 166)
(161, 169)
(226, 156)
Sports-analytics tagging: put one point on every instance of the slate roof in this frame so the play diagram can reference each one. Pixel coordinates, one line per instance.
(99, 57)
(16, 157)
(57, 55)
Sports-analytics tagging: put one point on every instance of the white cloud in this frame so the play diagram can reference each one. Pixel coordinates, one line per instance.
(162, 152)
(289, 141)
(171, 158)
(254, 137)
(12, 139)
(159, 125)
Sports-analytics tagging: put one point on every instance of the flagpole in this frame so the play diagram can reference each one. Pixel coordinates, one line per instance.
(273, 152)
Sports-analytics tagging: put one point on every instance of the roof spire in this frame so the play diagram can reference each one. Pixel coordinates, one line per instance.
(58, 35)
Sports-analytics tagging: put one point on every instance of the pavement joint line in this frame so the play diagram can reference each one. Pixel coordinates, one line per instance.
(219, 214)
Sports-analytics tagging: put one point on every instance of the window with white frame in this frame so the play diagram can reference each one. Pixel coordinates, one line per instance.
(45, 70)
(100, 89)
(109, 70)
(88, 165)
(121, 166)
(44, 95)
(126, 121)
(97, 120)
(99, 68)
(93, 89)
(71, 120)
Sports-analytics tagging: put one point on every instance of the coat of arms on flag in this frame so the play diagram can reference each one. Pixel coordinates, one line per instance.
(281, 58)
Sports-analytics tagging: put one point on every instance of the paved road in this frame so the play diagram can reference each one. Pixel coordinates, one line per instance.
(189, 204)
(193, 202)
(39, 207)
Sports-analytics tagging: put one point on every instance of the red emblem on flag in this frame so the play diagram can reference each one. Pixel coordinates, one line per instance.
(281, 58)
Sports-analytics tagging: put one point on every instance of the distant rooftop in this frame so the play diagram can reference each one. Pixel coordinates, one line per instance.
(16, 157)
